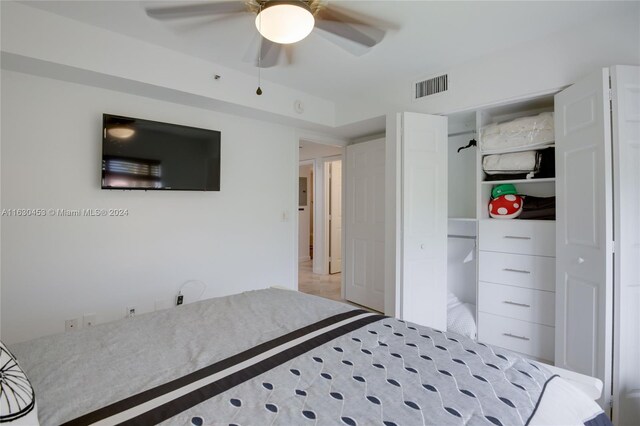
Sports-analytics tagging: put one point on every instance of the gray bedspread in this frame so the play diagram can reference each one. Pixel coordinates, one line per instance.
(385, 372)
(76, 372)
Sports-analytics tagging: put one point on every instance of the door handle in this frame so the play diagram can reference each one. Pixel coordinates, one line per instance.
(516, 237)
(515, 336)
(509, 302)
(520, 271)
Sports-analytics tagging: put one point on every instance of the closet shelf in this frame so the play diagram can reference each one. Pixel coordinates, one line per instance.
(518, 149)
(499, 182)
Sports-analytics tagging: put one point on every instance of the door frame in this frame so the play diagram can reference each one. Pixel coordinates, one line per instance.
(318, 190)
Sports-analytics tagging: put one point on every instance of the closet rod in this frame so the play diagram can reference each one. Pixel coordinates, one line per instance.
(466, 132)
(466, 237)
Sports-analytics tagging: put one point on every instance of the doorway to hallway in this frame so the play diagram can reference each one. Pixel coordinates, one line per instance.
(320, 220)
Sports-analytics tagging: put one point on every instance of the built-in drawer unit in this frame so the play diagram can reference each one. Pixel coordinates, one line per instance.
(521, 336)
(518, 236)
(519, 303)
(538, 272)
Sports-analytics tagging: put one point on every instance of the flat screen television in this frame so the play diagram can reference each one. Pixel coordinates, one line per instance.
(149, 155)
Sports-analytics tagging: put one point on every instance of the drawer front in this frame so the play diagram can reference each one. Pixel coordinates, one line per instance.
(518, 236)
(537, 272)
(530, 339)
(519, 303)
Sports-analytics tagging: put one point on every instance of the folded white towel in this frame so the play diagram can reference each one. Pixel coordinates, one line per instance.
(516, 162)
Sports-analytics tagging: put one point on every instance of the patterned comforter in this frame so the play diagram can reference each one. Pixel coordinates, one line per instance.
(350, 367)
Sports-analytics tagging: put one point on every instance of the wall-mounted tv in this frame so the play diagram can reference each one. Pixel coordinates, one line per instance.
(149, 155)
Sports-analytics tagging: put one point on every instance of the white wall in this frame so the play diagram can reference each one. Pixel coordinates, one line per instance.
(56, 268)
(462, 177)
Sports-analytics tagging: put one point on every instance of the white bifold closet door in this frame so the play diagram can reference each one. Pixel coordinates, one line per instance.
(423, 229)
(584, 237)
(625, 87)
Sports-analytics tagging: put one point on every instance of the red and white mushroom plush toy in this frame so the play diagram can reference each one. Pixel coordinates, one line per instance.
(505, 206)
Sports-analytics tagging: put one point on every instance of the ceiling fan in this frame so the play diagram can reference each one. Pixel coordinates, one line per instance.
(282, 22)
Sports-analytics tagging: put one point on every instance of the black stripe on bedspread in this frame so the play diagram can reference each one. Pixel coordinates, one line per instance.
(544, 388)
(155, 412)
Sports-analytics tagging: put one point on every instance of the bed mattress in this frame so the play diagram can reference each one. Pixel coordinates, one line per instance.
(282, 357)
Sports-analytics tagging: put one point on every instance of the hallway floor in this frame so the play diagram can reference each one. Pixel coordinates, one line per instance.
(327, 286)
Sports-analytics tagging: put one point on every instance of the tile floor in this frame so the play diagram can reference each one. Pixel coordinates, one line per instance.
(327, 286)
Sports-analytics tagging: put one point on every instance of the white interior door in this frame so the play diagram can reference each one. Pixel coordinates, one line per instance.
(625, 85)
(584, 245)
(424, 220)
(304, 212)
(335, 217)
(365, 226)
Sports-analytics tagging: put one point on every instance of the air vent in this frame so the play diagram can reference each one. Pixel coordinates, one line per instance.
(431, 86)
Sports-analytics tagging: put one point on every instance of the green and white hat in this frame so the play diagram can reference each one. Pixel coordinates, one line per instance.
(504, 189)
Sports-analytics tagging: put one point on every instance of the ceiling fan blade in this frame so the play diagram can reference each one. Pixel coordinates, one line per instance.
(288, 53)
(270, 52)
(196, 25)
(197, 9)
(251, 55)
(346, 31)
(350, 28)
(349, 32)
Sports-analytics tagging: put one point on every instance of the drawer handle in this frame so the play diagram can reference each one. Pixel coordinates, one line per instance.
(509, 302)
(515, 237)
(516, 337)
(520, 271)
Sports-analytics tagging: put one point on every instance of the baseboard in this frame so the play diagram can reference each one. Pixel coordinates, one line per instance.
(304, 259)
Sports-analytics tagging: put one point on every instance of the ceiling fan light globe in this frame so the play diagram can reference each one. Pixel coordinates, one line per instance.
(285, 22)
(121, 132)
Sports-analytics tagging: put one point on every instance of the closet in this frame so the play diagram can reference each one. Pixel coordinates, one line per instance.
(516, 259)
(561, 283)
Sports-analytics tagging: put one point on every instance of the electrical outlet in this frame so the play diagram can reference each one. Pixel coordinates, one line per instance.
(71, 324)
(88, 320)
(131, 311)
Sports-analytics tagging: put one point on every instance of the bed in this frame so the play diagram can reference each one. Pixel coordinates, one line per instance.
(280, 357)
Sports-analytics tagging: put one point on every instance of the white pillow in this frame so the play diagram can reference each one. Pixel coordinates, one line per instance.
(17, 399)
(452, 301)
(460, 319)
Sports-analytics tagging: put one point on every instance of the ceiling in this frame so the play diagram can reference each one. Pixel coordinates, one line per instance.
(424, 38)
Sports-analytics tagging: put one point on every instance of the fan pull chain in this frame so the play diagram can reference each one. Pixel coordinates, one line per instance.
(259, 91)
